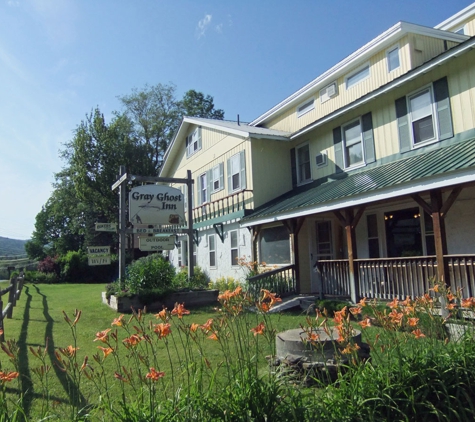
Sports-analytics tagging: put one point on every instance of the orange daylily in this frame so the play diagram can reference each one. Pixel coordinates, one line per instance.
(103, 336)
(154, 375)
(194, 327)
(418, 333)
(365, 323)
(259, 329)
(362, 302)
(180, 310)
(355, 311)
(394, 303)
(106, 350)
(118, 321)
(468, 303)
(8, 376)
(207, 325)
(162, 330)
(69, 351)
(162, 314)
(131, 341)
(84, 363)
(213, 336)
(413, 321)
(350, 348)
(312, 337)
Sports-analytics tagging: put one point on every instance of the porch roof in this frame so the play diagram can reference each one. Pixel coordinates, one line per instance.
(446, 166)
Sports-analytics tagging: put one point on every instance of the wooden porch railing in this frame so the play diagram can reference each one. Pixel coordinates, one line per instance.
(14, 292)
(386, 278)
(232, 203)
(281, 281)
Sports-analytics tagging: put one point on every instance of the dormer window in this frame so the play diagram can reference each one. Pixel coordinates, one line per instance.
(305, 107)
(358, 76)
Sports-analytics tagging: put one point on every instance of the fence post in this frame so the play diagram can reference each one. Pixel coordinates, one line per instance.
(11, 297)
(19, 287)
(2, 336)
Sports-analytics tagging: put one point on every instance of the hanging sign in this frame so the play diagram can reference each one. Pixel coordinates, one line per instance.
(106, 227)
(157, 243)
(156, 204)
(98, 255)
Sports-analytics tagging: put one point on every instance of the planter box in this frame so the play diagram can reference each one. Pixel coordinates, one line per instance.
(190, 299)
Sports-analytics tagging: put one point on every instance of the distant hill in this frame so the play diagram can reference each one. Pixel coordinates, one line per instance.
(12, 246)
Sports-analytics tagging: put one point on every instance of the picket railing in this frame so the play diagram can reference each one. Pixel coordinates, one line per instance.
(14, 292)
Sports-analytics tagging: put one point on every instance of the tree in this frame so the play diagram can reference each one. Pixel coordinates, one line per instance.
(196, 104)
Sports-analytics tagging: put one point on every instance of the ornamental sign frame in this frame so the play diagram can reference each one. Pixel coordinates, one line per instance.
(156, 204)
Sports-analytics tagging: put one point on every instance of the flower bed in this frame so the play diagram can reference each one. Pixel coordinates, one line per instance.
(192, 298)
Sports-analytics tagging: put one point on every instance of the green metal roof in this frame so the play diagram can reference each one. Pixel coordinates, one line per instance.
(413, 171)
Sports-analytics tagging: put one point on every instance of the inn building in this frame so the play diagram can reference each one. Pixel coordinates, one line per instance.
(361, 183)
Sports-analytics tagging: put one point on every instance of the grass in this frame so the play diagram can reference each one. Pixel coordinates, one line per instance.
(39, 316)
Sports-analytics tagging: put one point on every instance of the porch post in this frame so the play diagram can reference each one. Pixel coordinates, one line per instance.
(294, 226)
(254, 236)
(440, 238)
(352, 255)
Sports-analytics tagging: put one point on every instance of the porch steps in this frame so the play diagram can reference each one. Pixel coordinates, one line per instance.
(290, 302)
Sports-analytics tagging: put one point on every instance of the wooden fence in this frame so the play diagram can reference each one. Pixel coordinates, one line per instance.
(14, 292)
(281, 281)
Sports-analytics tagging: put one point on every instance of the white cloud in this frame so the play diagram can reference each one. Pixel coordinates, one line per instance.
(219, 28)
(203, 25)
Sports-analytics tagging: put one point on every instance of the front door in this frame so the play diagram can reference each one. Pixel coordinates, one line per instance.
(322, 249)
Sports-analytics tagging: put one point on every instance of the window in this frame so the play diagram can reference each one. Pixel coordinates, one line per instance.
(305, 107)
(217, 175)
(460, 31)
(234, 247)
(193, 142)
(358, 76)
(354, 143)
(373, 238)
(183, 253)
(424, 116)
(212, 250)
(324, 240)
(393, 59)
(303, 164)
(203, 188)
(274, 245)
(236, 172)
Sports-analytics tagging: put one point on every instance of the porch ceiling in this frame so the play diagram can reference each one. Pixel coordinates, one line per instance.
(442, 167)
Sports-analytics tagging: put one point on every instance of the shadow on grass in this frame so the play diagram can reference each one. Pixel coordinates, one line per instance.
(72, 390)
(24, 367)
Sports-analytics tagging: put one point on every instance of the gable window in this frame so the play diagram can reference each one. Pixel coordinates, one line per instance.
(393, 59)
(305, 107)
(358, 76)
(217, 181)
(460, 31)
(303, 164)
(193, 142)
(212, 250)
(424, 116)
(234, 247)
(236, 172)
(354, 143)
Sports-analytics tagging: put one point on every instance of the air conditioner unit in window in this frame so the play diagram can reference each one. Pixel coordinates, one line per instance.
(328, 92)
(321, 159)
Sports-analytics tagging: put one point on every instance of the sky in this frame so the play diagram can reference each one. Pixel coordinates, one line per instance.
(60, 59)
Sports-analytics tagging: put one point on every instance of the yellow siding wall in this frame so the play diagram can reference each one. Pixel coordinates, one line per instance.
(271, 168)
(425, 48)
(379, 75)
(461, 81)
(468, 24)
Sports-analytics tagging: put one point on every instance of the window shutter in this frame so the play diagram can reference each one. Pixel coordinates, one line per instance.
(243, 170)
(442, 99)
(209, 181)
(221, 176)
(198, 189)
(293, 166)
(403, 125)
(338, 150)
(368, 138)
(198, 134)
(187, 141)
(230, 184)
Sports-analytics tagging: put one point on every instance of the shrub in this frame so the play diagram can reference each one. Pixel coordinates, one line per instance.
(73, 267)
(224, 283)
(331, 306)
(49, 265)
(200, 279)
(150, 272)
(42, 278)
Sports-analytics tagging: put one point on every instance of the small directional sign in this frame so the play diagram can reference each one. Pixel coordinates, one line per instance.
(106, 227)
(157, 243)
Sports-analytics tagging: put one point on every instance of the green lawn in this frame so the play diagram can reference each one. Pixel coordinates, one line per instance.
(38, 316)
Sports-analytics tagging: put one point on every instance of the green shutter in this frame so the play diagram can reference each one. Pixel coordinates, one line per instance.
(403, 125)
(243, 170)
(293, 166)
(444, 115)
(199, 137)
(338, 149)
(198, 189)
(368, 138)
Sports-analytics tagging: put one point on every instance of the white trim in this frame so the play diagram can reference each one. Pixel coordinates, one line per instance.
(362, 163)
(428, 87)
(391, 192)
(458, 18)
(361, 69)
(454, 52)
(360, 56)
(297, 148)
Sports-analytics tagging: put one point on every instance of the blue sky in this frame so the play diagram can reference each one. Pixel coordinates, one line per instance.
(59, 59)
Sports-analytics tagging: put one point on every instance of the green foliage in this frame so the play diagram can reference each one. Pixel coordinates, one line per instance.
(200, 279)
(73, 267)
(224, 283)
(39, 277)
(150, 272)
(330, 306)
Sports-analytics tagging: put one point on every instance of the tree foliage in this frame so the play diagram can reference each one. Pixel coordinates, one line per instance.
(136, 137)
